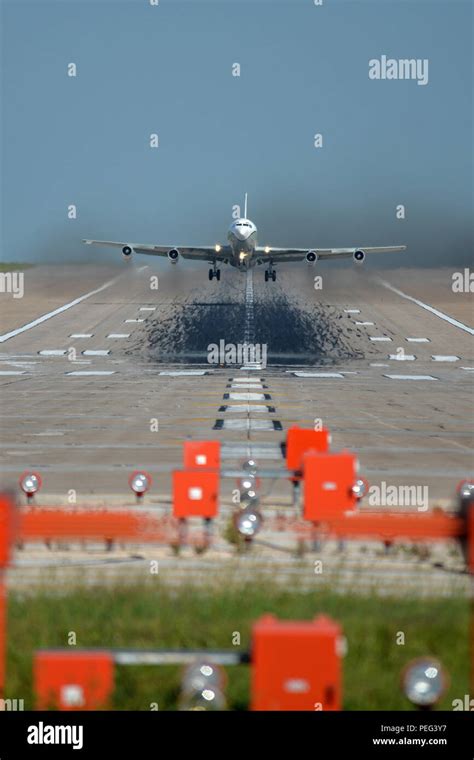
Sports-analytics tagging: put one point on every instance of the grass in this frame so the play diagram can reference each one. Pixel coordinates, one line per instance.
(14, 266)
(155, 617)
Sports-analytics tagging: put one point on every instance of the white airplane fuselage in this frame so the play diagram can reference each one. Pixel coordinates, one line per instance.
(242, 237)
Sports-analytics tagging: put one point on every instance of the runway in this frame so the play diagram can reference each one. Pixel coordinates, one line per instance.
(101, 373)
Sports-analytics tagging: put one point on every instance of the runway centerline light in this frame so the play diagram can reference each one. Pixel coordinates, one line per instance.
(30, 483)
(424, 681)
(250, 466)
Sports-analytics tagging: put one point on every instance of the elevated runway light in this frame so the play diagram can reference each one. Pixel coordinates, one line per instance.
(424, 681)
(202, 688)
(140, 483)
(30, 483)
(248, 522)
(360, 488)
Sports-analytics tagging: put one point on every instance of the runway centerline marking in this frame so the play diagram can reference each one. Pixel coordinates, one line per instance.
(96, 352)
(318, 374)
(402, 357)
(418, 340)
(381, 339)
(439, 358)
(59, 310)
(52, 352)
(429, 308)
(118, 335)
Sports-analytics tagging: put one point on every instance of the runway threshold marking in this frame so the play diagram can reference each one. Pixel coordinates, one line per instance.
(59, 310)
(439, 358)
(418, 340)
(411, 377)
(381, 339)
(402, 357)
(52, 352)
(118, 335)
(319, 374)
(90, 373)
(429, 308)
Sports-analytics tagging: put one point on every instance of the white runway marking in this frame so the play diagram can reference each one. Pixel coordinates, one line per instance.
(246, 397)
(418, 340)
(377, 364)
(411, 377)
(134, 320)
(141, 269)
(247, 385)
(352, 311)
(96, 352)
(438, 358)
(90, 373)
(247, 408)
(381, 339)
(248, 424)
(147, 308)
(468, 369)
(429, 308)
(35, 322)
(253, 368)
(402, 357)
(8, 372)
(52, 352)
(364, 323)
(318, 374)
(246, 379)
(178, 373)
(81, 335)
(118, 335)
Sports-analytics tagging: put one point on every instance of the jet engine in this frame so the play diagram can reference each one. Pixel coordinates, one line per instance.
(127, 252)
(311, 257)
(358, 256)
(173, 255)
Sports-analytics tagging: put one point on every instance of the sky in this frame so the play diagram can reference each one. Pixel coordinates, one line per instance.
(168, 70)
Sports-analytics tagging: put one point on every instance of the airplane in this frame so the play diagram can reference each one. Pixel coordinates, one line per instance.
(242, 251)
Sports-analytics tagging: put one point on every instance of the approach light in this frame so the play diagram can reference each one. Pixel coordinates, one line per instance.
(360, 488)
(466, 489)
(139, 482)
(424, 681)
(248, 522)
(30, 483)
(202, 687)
(250, 466)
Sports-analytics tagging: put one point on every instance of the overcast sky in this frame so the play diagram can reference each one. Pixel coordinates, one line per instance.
(304, 70)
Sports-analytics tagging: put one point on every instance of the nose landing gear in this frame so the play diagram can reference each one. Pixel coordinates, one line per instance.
(215, 273)
(270, 274)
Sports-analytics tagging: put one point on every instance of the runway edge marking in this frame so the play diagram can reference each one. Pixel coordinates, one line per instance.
(426, 306)
(59, 310)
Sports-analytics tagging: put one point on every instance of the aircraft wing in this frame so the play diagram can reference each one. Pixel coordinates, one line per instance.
(298, 254)
(197, 252)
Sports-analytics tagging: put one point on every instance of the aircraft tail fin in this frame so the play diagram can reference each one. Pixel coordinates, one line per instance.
(245, 206)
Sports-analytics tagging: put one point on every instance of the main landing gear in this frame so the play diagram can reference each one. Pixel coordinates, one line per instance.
(270, 274)
(215, 273)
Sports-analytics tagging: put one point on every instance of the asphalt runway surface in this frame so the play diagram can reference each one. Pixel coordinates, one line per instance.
(102, 374)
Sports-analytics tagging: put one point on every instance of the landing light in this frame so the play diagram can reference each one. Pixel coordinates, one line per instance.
(424, 682)
(218, 248)
(267, 249)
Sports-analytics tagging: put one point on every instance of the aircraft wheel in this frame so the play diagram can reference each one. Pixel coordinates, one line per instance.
(274, 276)
(218, 275)
(266, 276)
(211, 274)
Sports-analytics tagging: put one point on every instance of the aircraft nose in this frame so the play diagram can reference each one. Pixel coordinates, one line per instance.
(241, 233)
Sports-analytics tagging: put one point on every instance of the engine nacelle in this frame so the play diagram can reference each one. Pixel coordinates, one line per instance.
(127, 252)
(311, 257)
(173, 255)
(358, 256)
